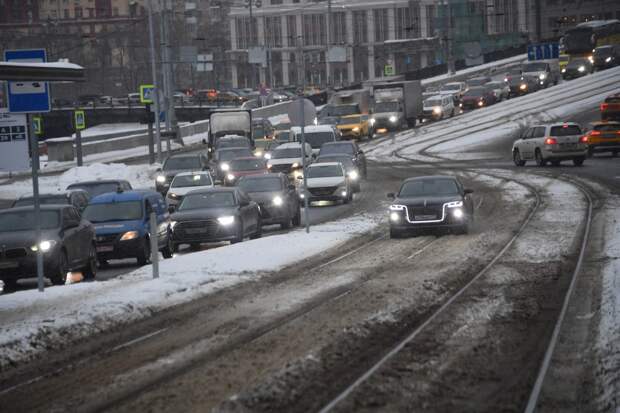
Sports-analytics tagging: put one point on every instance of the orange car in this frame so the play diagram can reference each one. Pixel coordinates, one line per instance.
(610, 109)
(604, 137)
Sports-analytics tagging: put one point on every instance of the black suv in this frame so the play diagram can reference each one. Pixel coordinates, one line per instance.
(349, 148)
(67, 243)
(175, 164)
(277, 197)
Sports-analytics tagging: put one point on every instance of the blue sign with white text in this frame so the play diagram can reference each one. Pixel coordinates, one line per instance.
(543, 51)
(27, 97)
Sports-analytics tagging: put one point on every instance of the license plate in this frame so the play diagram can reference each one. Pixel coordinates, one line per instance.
(196, 230)
(424, 217)
(8, 264)
(105, 248)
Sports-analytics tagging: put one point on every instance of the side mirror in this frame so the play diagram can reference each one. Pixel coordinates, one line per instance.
(171, 209)
(391, 195)
(468, 191)
(292, 187)
(300, 177)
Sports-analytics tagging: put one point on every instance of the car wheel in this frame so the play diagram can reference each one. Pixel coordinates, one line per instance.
(259, 230)
(144, 255)
(60, 277)
(578, 161)
(297, 217)
(540, 161)
(516, 157)
(90, 271)
(9, 284)
(239, 236)
(168, 249)
(395, 234)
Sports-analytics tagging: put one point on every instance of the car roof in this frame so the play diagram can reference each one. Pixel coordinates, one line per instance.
(230, 189)
(339, 143)
(324, 164)
(66, 194)
(125, 196)
(192, 173)
(289, 145)
(232, 148)
(557, 124)
(422, 178)
(183, 155)
(605, 122)
(96, 182)
(278, 175)
(45, 207)
(246, 158)
(436, 97)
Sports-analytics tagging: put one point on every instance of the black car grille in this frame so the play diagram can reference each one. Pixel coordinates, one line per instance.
(281, 168)
(425, 213)
(14, 253)
(107, 238)
(197, 229)
(323, 191)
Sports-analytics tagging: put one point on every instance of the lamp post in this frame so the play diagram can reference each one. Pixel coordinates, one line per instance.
(250, 4)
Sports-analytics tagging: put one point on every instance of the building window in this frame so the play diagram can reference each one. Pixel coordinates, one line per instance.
(247, 34)
(407, 23)
(431, 17)
(360, 27)
(115, 11)
(381, 25)
(273, 31)
(66, 13)
(291, 27)
(78, 12)
(314, 29)
(338, 28)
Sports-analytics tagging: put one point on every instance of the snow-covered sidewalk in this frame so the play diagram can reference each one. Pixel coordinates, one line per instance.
(32, 322)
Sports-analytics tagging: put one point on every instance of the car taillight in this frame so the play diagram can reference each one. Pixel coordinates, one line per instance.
(551, 141)
(583, 139)
(604, 106)
(595, 133)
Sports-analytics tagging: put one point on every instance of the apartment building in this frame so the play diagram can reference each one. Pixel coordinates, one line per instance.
(307, 41)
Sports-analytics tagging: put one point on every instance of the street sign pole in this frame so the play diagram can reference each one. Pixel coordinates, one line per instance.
(150, 133)
(34, 151)
(303, 163)
(79, 122)
(154, 242)
(155, 81)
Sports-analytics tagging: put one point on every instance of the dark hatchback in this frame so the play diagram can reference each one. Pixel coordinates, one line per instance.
(277, 197)
(577, 68)
(606, 56)
(477, 97)
(76, 197)
(67, 243)
(430, 202)
(95, 188)
(213, 215)
(349, 148)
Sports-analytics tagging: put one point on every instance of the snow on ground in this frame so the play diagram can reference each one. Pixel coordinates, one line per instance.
(140, 176)
(113, 128)
(474, 69)
(31, 322)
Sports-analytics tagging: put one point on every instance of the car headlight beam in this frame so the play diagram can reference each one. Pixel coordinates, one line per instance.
(278, 201)
(129, 235)
(160, 179)
(393, 119)
(608, 59)
(44, 246)
(226, 220)
(230, 177)
(437, 110)
(224, 167)
(458, 213)
(542, 76)
(394, 216)
(353, 175)
(581, 69)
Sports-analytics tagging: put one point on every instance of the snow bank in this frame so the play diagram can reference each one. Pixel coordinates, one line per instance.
(140, 176)
(32, 322)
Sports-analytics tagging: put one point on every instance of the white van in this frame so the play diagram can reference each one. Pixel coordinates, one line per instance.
(316, 135)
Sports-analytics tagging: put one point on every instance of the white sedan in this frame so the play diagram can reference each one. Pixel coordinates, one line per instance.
(328, 182)
(185, 182)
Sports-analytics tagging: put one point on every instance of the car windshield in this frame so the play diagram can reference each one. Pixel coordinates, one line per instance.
(346, 161)
(182, 162)
(284, 153)
(577, 63)
(44, 200)
(429, 187)
(316, 139)
(24, 220)
(269, 184)
(96, 188)
(565, 130)
(607, 127)
(337, 148)
(114, 211)
(534, 67)
(324, 171)
(344, 110)
(186, 181)
(350, 120)
(382, 107)
(329, 120)
(247, 164)
(228, 154)
(475, 92)
(602, 51)
(258, 132)
(207, 200)
(450, 87)
(233, 142)
(283, 136)
(432, 102)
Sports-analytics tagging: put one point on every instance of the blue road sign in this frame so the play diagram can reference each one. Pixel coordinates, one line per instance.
(543, 51)
(27, 97)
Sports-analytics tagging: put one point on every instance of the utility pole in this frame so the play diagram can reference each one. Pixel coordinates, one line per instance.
(155, 81)
(448, 36)
(328, 65)
(167, 68)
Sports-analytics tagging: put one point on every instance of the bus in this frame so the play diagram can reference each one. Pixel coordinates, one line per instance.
(581, 40)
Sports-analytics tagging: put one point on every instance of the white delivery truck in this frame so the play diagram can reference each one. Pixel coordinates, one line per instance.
(397, 104)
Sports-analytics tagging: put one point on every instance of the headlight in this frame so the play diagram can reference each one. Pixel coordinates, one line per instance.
(393, 119)
(542, 76)
(267, 156)
(437, 110)
(394, 216)
(563, 70)
(269, 166)
(481, 103)
(226, 220)
(457, 213)
(130, 235)
(295, 165)
(506, 79)
(297, 174)
(173, 224)
(353, 175)
(356, 129)
(302, 195)
(278, 201)
(258, 154)
(591, 59)
(161, 179)
(523, 86)
(343, 193)
(173, 195)
(224, 166)
(316, 121)
(455, 204)
(45, 246)
(230, 177)
(373, 121)
(581, 69)
(608, 59)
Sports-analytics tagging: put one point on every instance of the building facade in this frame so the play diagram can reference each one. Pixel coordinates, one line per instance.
(339, 42)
